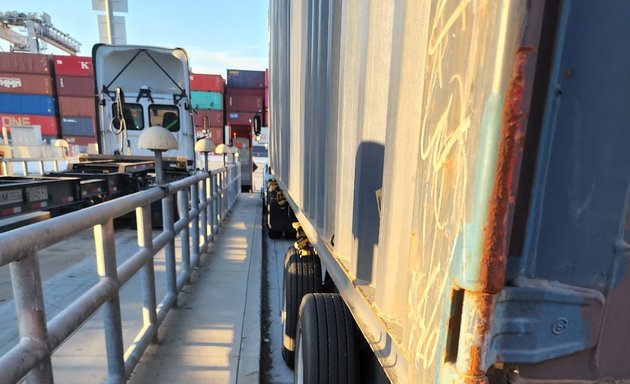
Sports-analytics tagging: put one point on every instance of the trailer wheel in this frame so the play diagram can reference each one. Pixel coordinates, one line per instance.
(326, 347)
(302, 275)
(274, 234)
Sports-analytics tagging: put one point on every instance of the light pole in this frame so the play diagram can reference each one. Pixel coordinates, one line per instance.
(158, 140)
(223, 149)
(205, 146)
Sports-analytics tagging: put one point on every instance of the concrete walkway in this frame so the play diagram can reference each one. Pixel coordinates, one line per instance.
(213, 336)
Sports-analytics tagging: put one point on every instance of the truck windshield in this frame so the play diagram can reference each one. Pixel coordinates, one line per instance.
(133, 116)
(166, 116)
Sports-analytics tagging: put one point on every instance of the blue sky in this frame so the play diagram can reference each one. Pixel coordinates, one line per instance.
(217, 34)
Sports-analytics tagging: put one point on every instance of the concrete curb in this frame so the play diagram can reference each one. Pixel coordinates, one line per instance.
(249, 363)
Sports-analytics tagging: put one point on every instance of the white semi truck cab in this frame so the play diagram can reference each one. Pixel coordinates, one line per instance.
(139, 87)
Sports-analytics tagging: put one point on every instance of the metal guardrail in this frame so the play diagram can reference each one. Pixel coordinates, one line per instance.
(42, 165)
(211, 197)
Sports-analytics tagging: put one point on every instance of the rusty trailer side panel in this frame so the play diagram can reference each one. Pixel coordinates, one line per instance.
(447, 158)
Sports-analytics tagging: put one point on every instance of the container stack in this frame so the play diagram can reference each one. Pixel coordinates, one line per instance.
(74, 78)
(244, 99)
(207, 99)
(26, 93)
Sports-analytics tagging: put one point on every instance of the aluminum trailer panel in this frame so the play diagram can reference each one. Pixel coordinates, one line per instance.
(457, 170)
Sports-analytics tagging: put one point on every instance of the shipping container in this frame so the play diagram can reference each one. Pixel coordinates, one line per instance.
(239, 118)
(208, 117)
(80, 66)
(216, 134)
(461, 170)
(75, 86)
(208, 83)
(267, 78)
(81, 141)
(27, 104)
(77, 106)
(77, 126)
(244, 100)
(206, 100)
(12, 62)
(239, 78)
(26, 83)
(49, 124)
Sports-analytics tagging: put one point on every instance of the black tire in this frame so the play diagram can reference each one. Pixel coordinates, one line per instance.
(326, 345)
(302, 275)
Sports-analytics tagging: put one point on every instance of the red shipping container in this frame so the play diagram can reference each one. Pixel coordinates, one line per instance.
(240, 118)
(26, 83)
(244, 102)
(204, 82)
(266, 118)
(267, 78)
(73, 66)
(266, 98)
(76, 106)
(208, 117)
(48, 124)
(216, 134)
(75, 86)
(24, 63)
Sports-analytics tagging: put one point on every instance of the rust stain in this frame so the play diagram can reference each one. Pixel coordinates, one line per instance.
(494, 246)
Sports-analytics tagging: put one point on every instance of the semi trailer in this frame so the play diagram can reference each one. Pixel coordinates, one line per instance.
(459, 174)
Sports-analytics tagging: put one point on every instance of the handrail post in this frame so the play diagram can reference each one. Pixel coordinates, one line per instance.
(209, 196)
(194, 194)
(184, 237)
(31, 314)
(112, 323)
(168, 225)
(215, 204)
(145, 240)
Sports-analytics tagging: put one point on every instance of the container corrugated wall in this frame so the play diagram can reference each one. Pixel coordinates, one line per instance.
(206, 100)
(361, 108)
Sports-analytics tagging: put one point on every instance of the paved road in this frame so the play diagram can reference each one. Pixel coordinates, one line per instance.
(276, 371)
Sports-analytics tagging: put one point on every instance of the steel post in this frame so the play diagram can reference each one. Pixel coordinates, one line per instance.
(203, 195)
(168, 224)
(184, 237)
(31, 314)
(107, 270)
(145, 240)
(194, 194)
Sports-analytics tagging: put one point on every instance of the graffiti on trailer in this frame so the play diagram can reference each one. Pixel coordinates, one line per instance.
(443, 166)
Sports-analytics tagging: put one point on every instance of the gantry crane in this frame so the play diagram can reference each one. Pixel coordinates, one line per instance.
(38, 27)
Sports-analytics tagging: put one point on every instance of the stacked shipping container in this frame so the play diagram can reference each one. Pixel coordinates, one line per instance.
(26, 93)
(74, 78)
(207, 98)
(245, 96)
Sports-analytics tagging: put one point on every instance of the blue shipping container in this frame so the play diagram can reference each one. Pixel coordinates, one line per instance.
(27, 104)
(206, 100)
(237, 78)
(77, 126)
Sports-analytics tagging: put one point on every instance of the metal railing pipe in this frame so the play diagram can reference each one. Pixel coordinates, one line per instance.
(169, 250)
(145, 240)
(112, 323)
(66, 322)
(14, 245)
(29, 306)
(203, 222)
(184, 234)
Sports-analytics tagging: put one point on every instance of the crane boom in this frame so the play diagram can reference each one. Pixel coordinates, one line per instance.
(39, 27)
